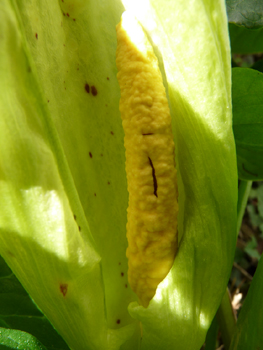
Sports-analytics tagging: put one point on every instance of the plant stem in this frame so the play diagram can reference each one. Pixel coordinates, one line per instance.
(243, 193)
(225, 315)
(211, 337)
(226, 319)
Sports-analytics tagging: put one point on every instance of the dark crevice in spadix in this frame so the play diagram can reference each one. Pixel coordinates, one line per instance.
(155, 186)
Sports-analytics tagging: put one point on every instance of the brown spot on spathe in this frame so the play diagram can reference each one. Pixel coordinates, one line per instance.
(94, 91)
(63, 288)
(87, 87)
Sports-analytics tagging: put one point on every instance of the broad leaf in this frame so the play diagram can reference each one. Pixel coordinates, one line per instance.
(18, 311)
(248, 122)
(245, 41)
(247, 13)
(14, 339)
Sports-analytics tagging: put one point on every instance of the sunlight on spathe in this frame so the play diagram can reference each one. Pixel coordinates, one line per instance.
(141, 9)
(134, 31)
(45, 212)
(52, 225)
(177, 302)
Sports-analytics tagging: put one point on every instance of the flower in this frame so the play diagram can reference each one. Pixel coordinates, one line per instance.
(63, 185)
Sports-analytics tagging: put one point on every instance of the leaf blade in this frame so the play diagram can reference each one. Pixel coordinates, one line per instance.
(247, 122)
(14, 339)
(245, 13)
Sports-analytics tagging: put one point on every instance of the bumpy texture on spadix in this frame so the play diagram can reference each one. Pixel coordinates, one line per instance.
(150, 164)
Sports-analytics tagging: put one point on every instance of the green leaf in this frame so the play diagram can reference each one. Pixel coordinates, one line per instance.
(248, 332)
(18, 311)
(14, 300)
(63, 184)
(247, 122)
(245, 41)
(14, 339)
(244, 188)
(211, 336)
(226, 319)
(248, 13)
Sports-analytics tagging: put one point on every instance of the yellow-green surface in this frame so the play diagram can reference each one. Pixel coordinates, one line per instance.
(63, 184)
(150, 161)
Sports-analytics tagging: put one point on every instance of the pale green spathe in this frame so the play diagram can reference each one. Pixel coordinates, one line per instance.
(62, 155)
